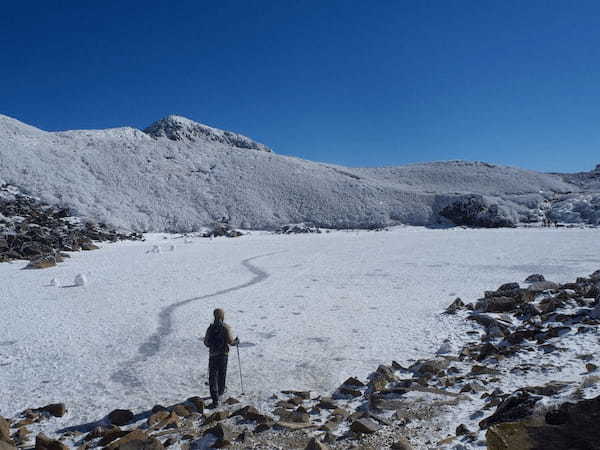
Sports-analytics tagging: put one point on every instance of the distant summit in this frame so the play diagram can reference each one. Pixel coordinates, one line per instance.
(178, 128)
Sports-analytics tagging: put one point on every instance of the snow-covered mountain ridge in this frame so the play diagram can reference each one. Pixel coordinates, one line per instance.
(178, 175)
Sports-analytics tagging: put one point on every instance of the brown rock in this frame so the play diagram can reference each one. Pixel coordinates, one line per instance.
(353, 382)
(327, 403)
(171, 421)
(4, 445)
(182, 411)
(349, 391)
(364, 425)
(135, 435)
(198, 403)
(261, 427)
(120, 417)
(4, 430)
(43, 262)
(302, 394)
(157, 417)
(157, 408)
(55, 409)
(43, 442)
(87, 246)
(401, 444)
(217, 417)
(225, 435)
(22, 435)
(314, 444)
(107, 434)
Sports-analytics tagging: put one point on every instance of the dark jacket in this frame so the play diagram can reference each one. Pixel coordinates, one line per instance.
(229, 339)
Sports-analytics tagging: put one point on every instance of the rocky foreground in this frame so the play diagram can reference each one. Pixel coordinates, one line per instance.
(524, 378)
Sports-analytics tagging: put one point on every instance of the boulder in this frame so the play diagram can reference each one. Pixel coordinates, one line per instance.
(327, 403)
(534, 278)
(157, 417)
(455, 306)
(509, 287)
(224, 434)
(135, 440)
(217, 417)
(43, 442)
(107, 435)
(249, 413)
(4, 430)
(353, 382)
(518, 405)
(429, 367)
(182, 411)
(54, 409)
(6, 446)
(43, 262)
(496, 304)
(364, 425)
(120, 417)
(142, 444)
(571, 426)
(540, 286)
(314, 444)
(198, 403)
(302, 394)
(401, 443)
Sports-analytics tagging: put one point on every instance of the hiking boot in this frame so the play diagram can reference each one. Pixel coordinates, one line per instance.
(213, 405)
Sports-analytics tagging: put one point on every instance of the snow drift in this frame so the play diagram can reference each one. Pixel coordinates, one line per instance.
(178, 175)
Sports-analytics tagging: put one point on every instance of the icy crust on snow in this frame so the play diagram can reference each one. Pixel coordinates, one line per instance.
(180, 175)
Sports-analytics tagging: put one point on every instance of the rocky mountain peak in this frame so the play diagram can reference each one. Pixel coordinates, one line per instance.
(179, 128)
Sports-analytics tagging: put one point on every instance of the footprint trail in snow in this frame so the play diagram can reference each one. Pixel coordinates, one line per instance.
(126, 376)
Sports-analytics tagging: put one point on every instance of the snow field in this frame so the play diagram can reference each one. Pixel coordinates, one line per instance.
(311, 310)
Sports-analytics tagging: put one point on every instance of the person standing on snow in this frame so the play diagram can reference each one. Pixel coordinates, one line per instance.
(218, 338)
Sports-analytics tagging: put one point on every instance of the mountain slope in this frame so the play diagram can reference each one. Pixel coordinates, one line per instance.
(179, 175)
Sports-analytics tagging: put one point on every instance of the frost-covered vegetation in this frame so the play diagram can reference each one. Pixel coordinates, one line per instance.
(179, 175)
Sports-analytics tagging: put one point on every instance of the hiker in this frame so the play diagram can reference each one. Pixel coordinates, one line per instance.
(218, 338)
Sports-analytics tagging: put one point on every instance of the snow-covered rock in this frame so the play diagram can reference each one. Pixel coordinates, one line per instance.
(80, 280)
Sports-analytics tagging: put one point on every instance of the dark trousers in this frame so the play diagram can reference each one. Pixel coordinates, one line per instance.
(217, 373)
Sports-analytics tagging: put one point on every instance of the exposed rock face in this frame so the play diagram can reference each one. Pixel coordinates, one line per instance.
(177, 128)
(475, 211)
(32, 230)
(518, 406)
(297, 228)
(571, 426)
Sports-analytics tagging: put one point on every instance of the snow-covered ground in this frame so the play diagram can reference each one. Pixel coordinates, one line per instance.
(310, 310)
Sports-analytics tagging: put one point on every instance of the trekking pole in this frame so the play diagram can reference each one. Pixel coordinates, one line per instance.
(240, 366)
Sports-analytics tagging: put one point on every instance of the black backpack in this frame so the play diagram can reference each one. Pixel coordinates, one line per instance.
(217, 340)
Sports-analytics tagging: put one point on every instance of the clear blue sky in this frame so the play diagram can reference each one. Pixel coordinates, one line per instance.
(361, 83)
